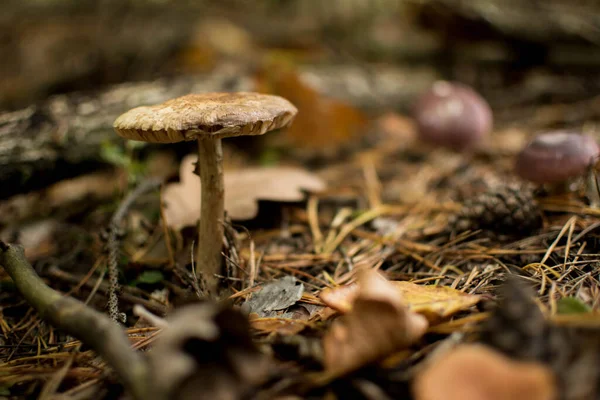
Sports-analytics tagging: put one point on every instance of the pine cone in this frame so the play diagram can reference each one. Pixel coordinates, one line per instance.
(508, 209)
(518, 329)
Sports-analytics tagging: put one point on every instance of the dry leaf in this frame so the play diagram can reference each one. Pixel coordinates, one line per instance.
(340, 298)
(378, 325)
(434, 302)
(324, 125)
(243, 188)
(68, 194)
(275, 296)
(38, 238)
(476, 372)
(283, 326)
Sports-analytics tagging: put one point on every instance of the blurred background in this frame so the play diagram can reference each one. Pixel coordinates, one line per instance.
(69, 67)
(56, 46)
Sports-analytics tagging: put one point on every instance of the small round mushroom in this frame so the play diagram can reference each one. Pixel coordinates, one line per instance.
(452, 115)
(555, 157)
(207, 118)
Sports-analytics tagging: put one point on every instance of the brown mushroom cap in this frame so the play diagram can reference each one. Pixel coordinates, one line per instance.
(215, 115)
(555, 157)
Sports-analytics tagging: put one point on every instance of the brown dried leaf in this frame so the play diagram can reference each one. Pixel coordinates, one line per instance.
(283, 326)
(68, 194)
(378, 325)
(434, 302)
(38, 238)
(323, 125)
(476, 372)
(243, 188)
(340, 298)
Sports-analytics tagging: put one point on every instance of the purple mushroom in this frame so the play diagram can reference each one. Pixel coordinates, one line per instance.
(556, 157)
(453, 115)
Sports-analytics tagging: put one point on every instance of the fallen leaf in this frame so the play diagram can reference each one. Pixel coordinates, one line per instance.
(323, 314)
(284, 184)
(282, 326)
(72, 195)
(477, 372)
(434, 302)
(340, 298)
(378, 325)
(243, 188)
(149, 277)
(38, 238)
(324, 126)
(571, 305)
(275, 296)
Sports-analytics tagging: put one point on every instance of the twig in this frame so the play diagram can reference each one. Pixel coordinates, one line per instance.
(112, 243)
(154, 320)
(76, 319)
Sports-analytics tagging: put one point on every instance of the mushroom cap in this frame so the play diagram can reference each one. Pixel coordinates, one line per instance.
(556, 157)
(453, 115)
(214, 115)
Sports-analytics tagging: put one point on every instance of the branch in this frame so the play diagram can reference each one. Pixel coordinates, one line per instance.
(75, 318)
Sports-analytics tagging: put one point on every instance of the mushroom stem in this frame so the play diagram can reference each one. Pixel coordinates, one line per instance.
(592, 188)
(559, 188)
(211, 230)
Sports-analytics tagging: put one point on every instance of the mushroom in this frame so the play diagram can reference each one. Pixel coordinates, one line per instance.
(555, 158)
(207, 118)
(452, 115)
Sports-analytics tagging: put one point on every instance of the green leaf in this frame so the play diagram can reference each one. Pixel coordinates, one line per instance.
(571, 305)
(150, 277)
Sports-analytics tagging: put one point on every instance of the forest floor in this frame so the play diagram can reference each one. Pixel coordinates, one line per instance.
(443, 229)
